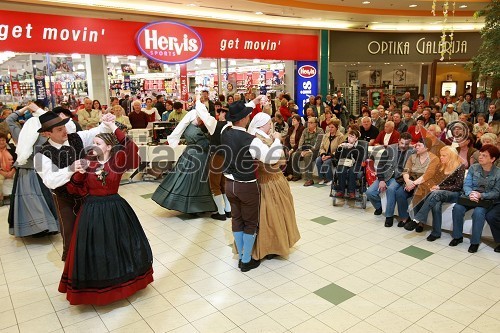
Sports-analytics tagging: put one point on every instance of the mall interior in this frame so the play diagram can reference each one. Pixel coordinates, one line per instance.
(349, 271)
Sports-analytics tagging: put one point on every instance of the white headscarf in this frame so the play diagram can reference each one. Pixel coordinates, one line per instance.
(201, 112)
(259, 120)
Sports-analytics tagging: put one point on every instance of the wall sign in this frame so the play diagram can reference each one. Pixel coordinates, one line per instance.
(307, 82)
(43, 33)
(169, 42)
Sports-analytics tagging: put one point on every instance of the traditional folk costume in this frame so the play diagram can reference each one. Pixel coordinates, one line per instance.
(53, 163)
(242, 189)
(277, 231)
(186, 188)
(32, 210)
(109, 258)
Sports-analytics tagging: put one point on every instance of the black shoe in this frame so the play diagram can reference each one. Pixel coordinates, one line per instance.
(228, 215)
(40, 234)
(245, 267)
(378, 211)
(217, 216)
(456, 241)
(432, 238)
(497, 249)
(401, 224)
(473, 248)
(419, 228)
(389, 221)
(411, 225)
(239, 263)
(270, 256)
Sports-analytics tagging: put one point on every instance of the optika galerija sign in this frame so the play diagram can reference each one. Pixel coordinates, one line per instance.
(169, 42)
(422, 46)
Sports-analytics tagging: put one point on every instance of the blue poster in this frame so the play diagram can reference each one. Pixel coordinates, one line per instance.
(307, 83)
(39, 79)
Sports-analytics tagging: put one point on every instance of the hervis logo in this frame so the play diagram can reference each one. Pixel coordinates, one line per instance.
(307, 71)
(169, 42)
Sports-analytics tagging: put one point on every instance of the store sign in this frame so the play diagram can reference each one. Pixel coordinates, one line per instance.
(184, 82)
(162, 41)
(39, 78)
(307, 82)
(169, 42)
(401, 47)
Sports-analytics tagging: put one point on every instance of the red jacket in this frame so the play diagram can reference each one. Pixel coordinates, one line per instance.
(424, 103)
(285, 112)
(393, 139)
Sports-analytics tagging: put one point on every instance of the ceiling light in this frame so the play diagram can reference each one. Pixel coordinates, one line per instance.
(213, 64)
(139, 69)
(119, 71)
(365, 2)
(191, 5)
(131, 57)
(256, 61)
(463, 6)
(259, 13)
(412, 6)
(114, 60)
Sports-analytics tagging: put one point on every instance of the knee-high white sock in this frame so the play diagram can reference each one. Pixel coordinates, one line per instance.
(219, 202)
(227, 204)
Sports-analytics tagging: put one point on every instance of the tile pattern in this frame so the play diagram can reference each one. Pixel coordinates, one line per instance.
(347, 274)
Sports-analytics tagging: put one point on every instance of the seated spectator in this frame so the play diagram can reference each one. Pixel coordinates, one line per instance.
(450, 115)
(481, 191)
(442, 187)
(427, 118)
(420, 102)
(418, 113)
(494, 127)
(493, 219)
(438, 115)
(306, 151)
(389, 168)
(280, 126)
(408, 117)
(466, 150)
(121, 118)
(367, 131)
(4, 128)
(377, 121)
(88, 117)
(444, 131)
(493, 113)
(308, 113)
(7, 159)
(388, 136)
(178, 112)
(328, 117)
(348, 159)
(292, 141)
(434, 134)
(413, 175)
(399, 125)
(417, 130)
(481, 126)
(331, 141)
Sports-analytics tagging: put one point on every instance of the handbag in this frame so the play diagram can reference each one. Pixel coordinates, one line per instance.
(465, 201)
(346, 162)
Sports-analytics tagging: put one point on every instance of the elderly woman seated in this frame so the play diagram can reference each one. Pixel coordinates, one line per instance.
(419, 168)
(481, 189)
(329, 145)
(444, 186)
(280, 126)
(348, 159)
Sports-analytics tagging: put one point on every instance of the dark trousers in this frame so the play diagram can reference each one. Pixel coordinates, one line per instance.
(67, 208)
(245, 203)
(493, 219)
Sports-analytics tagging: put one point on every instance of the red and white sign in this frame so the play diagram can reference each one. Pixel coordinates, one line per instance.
(169, 42)
(184, 82)
(307, 71)
(31, 32)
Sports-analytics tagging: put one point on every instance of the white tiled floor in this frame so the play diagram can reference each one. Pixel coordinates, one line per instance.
(198, 288)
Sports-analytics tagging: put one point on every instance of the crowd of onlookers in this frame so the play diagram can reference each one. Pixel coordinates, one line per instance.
(417, 147)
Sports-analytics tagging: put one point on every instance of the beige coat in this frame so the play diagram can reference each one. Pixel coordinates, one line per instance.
(339, 138)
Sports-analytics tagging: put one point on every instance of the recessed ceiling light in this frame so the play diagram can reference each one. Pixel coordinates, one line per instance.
(191, 5)
(374, 22)
(412, 6)
(365, 2)
(259, 13)
(463, 6)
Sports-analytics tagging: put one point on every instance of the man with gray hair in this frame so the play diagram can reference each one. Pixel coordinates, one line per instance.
(377, 120)
(87, 117)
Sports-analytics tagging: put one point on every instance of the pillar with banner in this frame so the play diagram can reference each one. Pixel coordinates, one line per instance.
(307, 82)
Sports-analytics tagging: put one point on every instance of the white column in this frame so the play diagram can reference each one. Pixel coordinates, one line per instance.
(97, 78)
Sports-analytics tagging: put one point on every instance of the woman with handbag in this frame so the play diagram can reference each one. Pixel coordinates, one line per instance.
(443, 186)
(481, 189)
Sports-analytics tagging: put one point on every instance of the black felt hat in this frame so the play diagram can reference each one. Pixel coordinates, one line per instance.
(238, 110)
(49, 120)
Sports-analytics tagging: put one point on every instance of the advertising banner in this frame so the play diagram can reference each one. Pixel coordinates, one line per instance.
(307, 82)
(184, 82)
(67, 34)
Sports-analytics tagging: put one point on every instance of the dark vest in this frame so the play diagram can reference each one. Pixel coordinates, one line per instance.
(238, 160)
(65, 156)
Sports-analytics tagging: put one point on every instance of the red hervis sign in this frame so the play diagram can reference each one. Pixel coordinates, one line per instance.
(169, 42)
(307, 71)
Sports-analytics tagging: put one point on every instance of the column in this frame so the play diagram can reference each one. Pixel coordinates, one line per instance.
(97, 78)
(324, 58)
